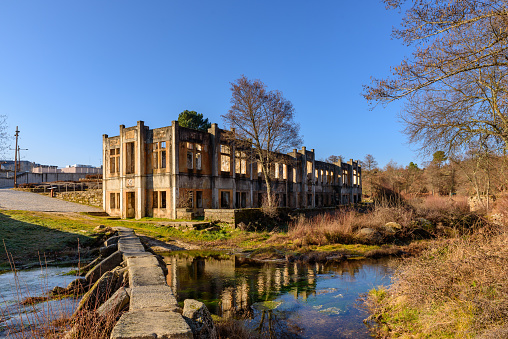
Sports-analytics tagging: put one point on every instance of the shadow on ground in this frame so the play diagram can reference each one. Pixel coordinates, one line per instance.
(28, 241)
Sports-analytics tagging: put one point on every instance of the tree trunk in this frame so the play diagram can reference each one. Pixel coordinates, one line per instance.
(268, 182)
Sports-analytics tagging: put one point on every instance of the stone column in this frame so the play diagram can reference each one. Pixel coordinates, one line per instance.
(175, 167)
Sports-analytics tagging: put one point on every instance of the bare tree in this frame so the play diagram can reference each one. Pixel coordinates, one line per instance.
(334, 159)
(369, 171)
(369, 163)
(479, 166)
(455, 82)
(262, 121)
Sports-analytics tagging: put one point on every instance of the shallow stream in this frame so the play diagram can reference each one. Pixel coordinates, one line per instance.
(15, 287)
(280, 300)
(276, 300)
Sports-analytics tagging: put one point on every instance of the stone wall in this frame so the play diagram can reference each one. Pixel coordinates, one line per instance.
(224, 215)
(88, 197)
(257, 219)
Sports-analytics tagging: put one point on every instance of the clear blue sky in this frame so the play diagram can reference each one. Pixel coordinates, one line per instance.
(71, 71)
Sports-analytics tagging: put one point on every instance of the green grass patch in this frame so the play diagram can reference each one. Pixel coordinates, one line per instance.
(26, 235)
(352, 249)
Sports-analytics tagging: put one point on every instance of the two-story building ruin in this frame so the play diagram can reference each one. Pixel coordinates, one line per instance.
(159, 172)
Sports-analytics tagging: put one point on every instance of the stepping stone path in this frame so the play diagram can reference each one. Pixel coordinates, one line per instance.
(153, 310)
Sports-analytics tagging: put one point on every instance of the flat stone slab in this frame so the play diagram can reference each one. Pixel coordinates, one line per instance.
(130, 247)
(150, 325)
(153, 298)
(123, 229)
(144, 261)
(105, 265)
(146, 276)
(136, 254)
(129, 239)
(115, 303)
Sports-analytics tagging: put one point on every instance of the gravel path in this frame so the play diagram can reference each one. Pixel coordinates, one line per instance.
(25, 201)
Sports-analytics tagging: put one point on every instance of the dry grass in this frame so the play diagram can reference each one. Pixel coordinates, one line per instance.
(89, 324)
(457, 289)
(438, 208)
(342, 226)
(323, 229)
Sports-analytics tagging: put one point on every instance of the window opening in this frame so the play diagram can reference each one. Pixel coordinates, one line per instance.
(163, 199)
(198, 157)
(162, 149)
(225, 158)
(112, 202)
(243, 200)
(240, 163)
(130, 158)
(155, 152)
(199, 199)
(114, 157)
(224, 199)
(189, 160)
(155, 203)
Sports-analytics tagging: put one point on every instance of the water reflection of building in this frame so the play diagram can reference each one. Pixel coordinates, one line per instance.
(183, 270)
(231, 285)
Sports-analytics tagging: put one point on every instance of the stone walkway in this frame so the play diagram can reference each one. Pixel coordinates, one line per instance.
(25, 201)
(153, 309)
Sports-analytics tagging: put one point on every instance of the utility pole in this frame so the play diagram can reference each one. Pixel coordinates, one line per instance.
(16, 159)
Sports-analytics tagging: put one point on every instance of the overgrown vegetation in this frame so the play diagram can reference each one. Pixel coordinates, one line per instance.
(456, 288)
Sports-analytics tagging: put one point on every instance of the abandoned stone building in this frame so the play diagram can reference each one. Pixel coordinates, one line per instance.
(170, 171)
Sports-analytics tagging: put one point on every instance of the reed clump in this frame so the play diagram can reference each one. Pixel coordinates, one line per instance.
(413, 218)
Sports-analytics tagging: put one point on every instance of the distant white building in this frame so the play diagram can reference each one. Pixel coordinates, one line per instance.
(77, 168)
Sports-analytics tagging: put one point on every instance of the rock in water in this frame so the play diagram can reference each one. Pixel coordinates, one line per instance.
(199, 319)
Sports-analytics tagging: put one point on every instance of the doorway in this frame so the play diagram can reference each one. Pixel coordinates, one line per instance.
(131, 204)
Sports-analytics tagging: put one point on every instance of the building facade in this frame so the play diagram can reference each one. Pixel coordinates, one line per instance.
(157, 172)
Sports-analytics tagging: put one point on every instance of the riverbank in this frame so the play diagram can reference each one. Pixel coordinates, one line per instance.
(454, 289)
(402, 229)
(31, 239)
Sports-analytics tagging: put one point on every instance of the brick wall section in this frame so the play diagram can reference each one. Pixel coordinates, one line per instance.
(88, 197)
